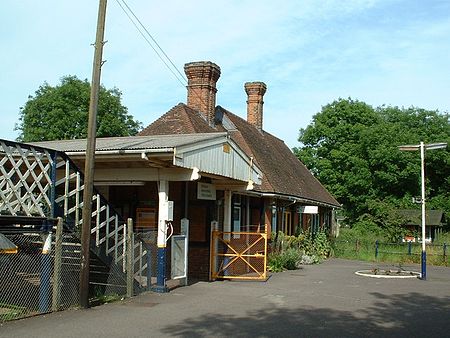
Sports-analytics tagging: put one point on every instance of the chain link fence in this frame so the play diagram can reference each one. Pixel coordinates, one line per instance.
(145, 266)
(34, 280)
(28, 277)
(405, 252)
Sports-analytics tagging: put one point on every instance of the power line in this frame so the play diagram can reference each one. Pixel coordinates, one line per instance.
(174, 70)
(157, 44)
(172, 67)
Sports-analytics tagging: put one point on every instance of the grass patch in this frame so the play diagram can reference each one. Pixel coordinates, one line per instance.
(353, 244)
(104, 299)
(11, 312)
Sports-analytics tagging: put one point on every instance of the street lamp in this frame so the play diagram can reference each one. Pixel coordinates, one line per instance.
(422, 147)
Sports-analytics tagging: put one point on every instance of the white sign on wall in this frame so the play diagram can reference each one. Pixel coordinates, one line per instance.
(206, 191)
(308, 209)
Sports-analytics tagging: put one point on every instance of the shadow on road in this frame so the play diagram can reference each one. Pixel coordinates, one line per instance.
(410, 315)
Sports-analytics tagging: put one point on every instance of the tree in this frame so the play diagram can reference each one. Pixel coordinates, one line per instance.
(61, 112)
(352, 148)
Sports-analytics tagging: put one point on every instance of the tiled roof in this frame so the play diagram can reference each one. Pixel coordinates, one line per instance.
(283, 173)
(414, 217)
(179, 120)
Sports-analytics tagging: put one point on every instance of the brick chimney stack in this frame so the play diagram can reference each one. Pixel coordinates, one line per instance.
(202, 78)
(255, 92)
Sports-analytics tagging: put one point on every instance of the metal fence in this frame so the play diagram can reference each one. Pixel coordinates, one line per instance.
(35, 281)
(411, 249)
(23, 290)
(40, 182)
(437, 254)
(145, 258)
(239, 255)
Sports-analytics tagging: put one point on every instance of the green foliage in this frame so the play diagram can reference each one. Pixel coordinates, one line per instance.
(285, 260)
(276, 262)
(11, 312)
(444, 238)
(359, 243)
(61, 113)
(321, 245)
(352, 148)
(289, 252)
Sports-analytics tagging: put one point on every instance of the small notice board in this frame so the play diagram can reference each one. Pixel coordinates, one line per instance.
(146, 219)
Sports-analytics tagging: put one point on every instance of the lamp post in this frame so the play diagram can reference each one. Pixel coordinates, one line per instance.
(422, 147)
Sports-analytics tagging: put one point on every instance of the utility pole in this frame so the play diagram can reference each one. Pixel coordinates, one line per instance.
(90, 157)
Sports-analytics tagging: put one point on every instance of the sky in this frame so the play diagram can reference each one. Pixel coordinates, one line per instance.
(308, 52)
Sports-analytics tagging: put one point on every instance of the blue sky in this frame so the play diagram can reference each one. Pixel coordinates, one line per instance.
(308, 52)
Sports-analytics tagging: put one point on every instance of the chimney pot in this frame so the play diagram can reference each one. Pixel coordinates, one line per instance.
(255, 92)
(202, 78)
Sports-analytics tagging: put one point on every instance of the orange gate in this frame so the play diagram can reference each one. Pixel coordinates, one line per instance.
(239, 255)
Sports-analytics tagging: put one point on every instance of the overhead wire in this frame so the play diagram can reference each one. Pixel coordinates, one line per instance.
(153, 39)
(162, 55)
(175, 72)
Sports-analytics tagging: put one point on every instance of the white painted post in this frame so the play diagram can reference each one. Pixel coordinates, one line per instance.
(97, 221)
(422, 172)
(227, 214)
(163, 193)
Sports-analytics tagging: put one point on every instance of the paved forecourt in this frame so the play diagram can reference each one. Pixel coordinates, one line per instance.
(326, 300)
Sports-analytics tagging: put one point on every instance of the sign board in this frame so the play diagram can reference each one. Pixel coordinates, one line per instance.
(206, 191)
(146, 218)
(308, 209)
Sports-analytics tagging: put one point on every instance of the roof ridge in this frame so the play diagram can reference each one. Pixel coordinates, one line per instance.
(249, 124)
(170, 111)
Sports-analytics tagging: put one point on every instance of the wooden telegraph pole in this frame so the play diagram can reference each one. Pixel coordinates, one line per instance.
(90, 157)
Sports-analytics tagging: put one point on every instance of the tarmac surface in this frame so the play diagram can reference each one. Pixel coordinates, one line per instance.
(326, 300)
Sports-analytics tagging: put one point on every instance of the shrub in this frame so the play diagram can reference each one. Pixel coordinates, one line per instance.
(289, 252)
(275, 262)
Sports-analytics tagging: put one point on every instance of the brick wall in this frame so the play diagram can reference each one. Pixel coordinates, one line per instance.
(255, 92)
(198, 262)
(202, 77)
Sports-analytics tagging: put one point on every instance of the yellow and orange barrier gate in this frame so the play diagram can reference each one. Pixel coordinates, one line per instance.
(239, 255)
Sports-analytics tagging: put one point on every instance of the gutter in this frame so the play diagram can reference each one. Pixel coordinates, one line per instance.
(141, 152)
(293, 199)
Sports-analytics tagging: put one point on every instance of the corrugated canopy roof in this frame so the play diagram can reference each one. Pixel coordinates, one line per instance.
(201, 151)
(129, 142)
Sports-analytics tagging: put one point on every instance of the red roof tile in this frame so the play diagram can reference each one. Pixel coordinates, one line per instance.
(283, 173)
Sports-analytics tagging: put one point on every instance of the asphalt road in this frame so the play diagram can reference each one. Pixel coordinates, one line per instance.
(326, 300)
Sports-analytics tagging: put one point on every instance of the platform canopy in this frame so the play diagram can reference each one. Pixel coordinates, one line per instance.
(173, 157)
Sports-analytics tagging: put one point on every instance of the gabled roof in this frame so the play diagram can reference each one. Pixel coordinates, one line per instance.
(414, 217)
(283, 173)
(179, 120)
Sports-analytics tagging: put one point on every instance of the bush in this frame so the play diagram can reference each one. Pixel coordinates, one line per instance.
(290, 252)
(275, 262)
